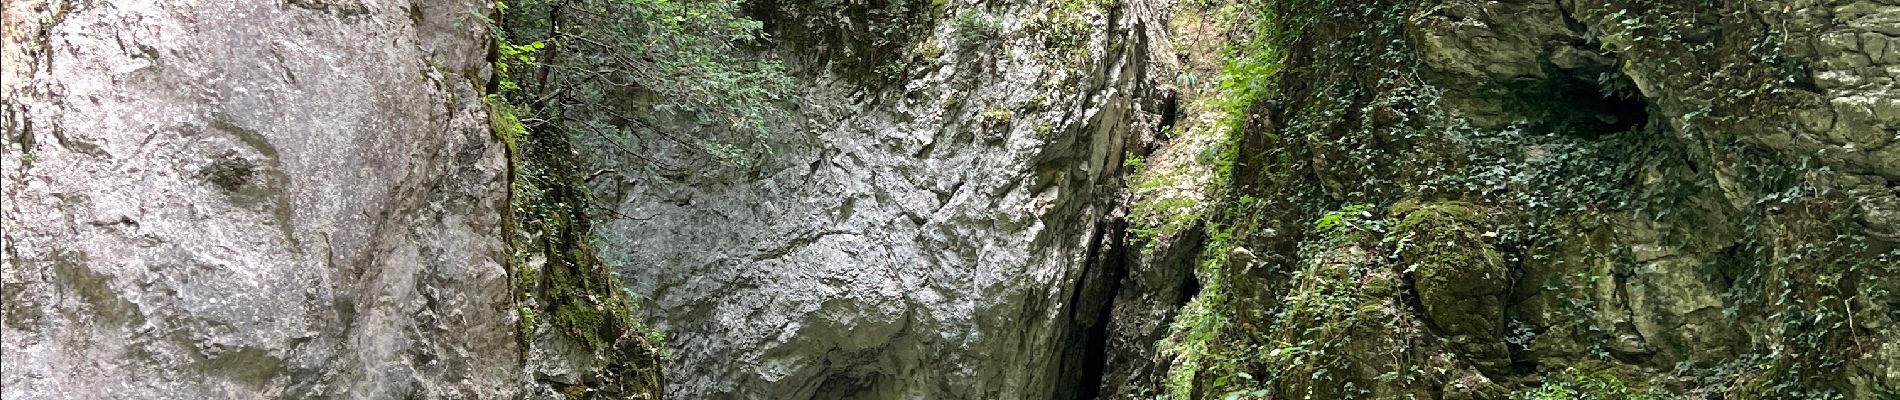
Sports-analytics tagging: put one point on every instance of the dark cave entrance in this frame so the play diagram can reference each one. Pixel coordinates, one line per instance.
(1595, 107)
(1606, 108)
(1589, 103)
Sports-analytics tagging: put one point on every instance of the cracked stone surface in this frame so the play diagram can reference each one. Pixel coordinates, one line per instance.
(234, 199)
(922, 239)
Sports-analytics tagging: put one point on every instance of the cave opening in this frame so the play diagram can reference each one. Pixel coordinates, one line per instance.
(1607, 105)
(1190, 287)
(847, 387)
(1170, 113)
(1589, 103)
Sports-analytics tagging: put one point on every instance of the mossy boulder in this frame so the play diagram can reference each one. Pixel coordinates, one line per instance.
(1460, 276)
(1340, 327)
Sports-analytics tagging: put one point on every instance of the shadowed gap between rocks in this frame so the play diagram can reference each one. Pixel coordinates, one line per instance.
(1085, 348)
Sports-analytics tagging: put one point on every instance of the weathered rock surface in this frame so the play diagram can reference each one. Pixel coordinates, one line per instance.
(929, 237)
(1746, 89)
(1675, 198)
(240, 199)
(1452, 199)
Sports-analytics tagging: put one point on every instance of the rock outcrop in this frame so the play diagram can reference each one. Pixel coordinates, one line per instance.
(1453, 199)
(1603, 198)
(928, 230)
(240, 199)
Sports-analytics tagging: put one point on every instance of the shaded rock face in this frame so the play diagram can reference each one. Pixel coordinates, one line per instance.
(1153, 287)
(245, 199)
(1678, 195)
(927, 233)
(1819, 100)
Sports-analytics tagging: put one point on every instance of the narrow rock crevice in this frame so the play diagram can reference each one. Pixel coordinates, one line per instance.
(1085, 354)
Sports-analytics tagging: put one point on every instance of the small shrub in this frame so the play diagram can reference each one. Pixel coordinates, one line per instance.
(975, 26)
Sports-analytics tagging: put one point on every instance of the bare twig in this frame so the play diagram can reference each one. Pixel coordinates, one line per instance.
(623, 149)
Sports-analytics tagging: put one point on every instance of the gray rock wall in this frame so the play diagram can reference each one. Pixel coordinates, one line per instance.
(923, 238)
(251, 199)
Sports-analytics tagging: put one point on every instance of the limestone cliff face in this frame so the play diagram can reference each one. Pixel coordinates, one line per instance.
(929, 223)
(966, 199)
(244, 199)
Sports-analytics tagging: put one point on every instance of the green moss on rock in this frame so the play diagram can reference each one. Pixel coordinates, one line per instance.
(1591, 382)
(1461, 278)
(555, 272)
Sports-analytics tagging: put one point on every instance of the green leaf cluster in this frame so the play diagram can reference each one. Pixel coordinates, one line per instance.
(687, 72)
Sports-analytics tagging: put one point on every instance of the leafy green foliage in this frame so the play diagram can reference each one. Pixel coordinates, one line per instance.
(1133, 163)
(1580, 385)
(1195, 341)
(644, 71)
(1247, 77)
(512, 55)
(556, 278)
(1065, 28)
(870, 43)
(975, 26)
(1348, 217)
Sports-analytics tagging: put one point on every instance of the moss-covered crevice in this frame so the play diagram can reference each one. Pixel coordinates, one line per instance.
(565, 297)
(1591, 381)
(558, 281)
(1348, 323)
